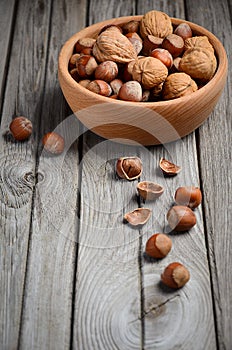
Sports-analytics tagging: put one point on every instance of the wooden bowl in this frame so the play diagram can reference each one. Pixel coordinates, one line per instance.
(145, 123)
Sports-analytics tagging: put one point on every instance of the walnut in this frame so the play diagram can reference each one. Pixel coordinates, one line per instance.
(177, 85)
(149, 71)
(113, 46)
(156, 23)
(199, 63)
(198, 41)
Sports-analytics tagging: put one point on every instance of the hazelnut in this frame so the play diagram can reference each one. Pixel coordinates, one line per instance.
(100, 87)
(168, 167)
(107, 70)
(116, 85)
(137, 43)
(149, 190)
(129, 168)
(84, 43)
(174, 44)
(130, 91)
(86, 66)
(21, 128)
(189, 196)
(114, 97)
(73, 60)
(150, 43)
(74, 74)
(146, 95)
(84, 82)
(149, 71)
(53, 143)
(175, 275)
(183, 30)
(158, 246)
(181, 218)
(130, 27)
(138, 216)
(175, 66)
(127, 71)
(163, 55)
(156, 92)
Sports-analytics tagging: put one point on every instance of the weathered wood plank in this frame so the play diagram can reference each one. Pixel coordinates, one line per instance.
(6, 22)
(47, 314)
(24, 88)
(180, 319)
(215, 162)
(107, 305)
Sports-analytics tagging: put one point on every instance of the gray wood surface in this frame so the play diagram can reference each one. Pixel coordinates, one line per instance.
(47, 308)
(72, 273)
(25, 84)
(6, 27)
(108, 300)
(189, 311)
(214, 148)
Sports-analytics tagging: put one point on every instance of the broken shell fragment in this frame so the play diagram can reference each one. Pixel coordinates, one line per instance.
(138, 216)
(129, 168)
(150, 190)
(168, 167)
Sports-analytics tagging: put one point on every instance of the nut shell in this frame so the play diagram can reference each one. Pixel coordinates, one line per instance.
(149, 72)
(129, 168)
(156, 23)
(158, 246)
(168, 167)
(178, 85)
(138, 216)
(175, 275)
(149, 190)
(198, 63)
(113, 46)
(200, 42)
(181, 218)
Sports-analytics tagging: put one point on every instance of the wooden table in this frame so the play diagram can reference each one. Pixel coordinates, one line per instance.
(73, 275)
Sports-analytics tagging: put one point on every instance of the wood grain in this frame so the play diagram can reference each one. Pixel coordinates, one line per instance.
(181, 319)
(47, 308)
(215, 163)
(25, 83)
(6, 22)
(107, 305)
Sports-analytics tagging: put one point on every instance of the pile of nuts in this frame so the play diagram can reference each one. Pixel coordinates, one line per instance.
(21, 129)
(180, 217)
(147, 60)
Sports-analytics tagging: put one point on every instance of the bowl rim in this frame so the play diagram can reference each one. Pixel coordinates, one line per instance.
(222, 63)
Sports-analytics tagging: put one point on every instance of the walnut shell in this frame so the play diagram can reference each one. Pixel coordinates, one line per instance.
(177, 85)
(199, 63)
(149, 71)
(156, 23)
(113, 46)
(198, 42)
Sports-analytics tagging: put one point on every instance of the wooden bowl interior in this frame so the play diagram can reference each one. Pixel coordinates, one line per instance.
(146, 123)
